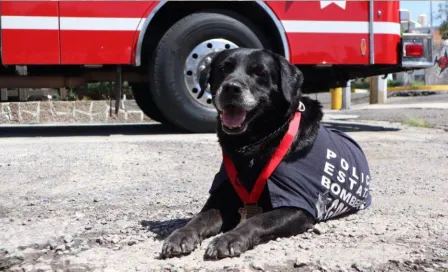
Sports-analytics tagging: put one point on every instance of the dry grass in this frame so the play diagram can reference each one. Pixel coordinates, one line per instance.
(417, 122)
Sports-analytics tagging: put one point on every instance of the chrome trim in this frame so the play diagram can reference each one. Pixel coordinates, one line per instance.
(417, 35)
(371, 33)
(417, 64)
(261, 3)
(280, 28)
(143, 29)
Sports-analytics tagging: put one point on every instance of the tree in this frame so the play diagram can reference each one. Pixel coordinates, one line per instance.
(443, 29)
(442, 14)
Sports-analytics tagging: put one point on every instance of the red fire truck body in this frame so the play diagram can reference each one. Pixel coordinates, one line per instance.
(161, 47)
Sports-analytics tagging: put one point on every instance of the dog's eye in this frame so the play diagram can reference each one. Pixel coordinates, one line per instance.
(222, 67)
(259, 72)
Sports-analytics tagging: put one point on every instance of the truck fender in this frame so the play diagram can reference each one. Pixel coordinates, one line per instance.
(262, 4)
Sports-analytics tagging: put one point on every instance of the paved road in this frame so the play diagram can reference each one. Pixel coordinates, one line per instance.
(105, 202)
(431, 110)
(393, 99)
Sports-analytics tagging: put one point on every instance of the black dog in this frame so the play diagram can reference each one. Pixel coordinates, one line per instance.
(321, 174)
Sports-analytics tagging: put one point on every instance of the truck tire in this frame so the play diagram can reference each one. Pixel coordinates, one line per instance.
(144, 100)
(176, 63)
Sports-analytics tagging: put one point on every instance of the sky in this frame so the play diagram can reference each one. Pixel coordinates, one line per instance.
(417, 7)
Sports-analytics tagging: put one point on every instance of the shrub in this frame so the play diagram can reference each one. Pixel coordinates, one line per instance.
(360, 85)
(394, 83)
(417, 83)
(97, 91)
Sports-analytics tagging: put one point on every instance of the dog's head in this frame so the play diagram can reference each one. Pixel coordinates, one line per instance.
(251, 84)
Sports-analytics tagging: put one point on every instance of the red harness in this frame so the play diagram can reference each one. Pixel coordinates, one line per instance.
(253, 197)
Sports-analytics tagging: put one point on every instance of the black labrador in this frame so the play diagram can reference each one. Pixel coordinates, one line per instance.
(323, 174)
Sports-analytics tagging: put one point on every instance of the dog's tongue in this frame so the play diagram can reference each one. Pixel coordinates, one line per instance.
(233, 117)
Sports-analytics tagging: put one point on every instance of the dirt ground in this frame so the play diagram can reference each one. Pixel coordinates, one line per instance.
(105, 203)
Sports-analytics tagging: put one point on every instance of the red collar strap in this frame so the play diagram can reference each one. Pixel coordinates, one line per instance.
(279, 154)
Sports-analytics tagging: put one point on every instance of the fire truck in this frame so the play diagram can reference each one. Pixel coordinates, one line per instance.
(160, 47)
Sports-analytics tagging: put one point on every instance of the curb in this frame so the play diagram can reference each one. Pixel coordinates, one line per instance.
(419, 88)
(360, 90)
(367, 106)
(436, 88)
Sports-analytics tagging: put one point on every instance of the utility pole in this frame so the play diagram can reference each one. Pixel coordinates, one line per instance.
(430, 18)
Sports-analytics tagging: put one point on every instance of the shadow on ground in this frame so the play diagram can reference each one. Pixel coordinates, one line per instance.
(357, 127)
(164, 228)
(87, 130)
(139, 129)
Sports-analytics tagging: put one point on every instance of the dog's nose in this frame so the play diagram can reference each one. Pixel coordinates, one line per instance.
(232, 87)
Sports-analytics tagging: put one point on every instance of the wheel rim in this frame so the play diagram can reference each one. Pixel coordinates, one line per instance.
(196, 61)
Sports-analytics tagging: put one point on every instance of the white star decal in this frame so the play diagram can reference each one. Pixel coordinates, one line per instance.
(325, 3)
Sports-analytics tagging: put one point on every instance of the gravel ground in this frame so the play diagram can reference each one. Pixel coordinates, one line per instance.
(105, 203)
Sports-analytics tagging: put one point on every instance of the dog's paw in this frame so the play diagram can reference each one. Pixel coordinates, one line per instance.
(181, 242)
(227, 245)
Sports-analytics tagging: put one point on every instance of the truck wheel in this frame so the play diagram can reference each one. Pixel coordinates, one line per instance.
(144, 100)
(180, 56)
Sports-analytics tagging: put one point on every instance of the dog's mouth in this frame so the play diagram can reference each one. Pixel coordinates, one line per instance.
(233, 119)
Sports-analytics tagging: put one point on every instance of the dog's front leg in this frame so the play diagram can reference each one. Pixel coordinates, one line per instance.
(184, 240)
(281, 222)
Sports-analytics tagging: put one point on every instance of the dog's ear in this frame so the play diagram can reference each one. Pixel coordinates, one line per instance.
(204, 77)
(290, 80)
(206, 74)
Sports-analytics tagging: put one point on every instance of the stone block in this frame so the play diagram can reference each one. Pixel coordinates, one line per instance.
(31, 107)
(14, 113)
(63, 118)
(28, 118)
(122, 105)
(82, 117)
(117, 118)
(46, 114)
(46, 117)
(135, 117)
(46, 106)
(99, 107)
(4, 118)
(131, 105)
(84, 106)
(66, 107)
(100, 117)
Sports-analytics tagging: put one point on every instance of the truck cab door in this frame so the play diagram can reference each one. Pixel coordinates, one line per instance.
(30, 32)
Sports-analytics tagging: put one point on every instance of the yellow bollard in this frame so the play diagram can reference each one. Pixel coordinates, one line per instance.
(336, 98)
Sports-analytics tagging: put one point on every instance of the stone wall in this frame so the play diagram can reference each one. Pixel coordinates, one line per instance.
(66, 112)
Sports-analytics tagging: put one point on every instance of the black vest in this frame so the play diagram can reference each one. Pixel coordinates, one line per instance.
(329, 179)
